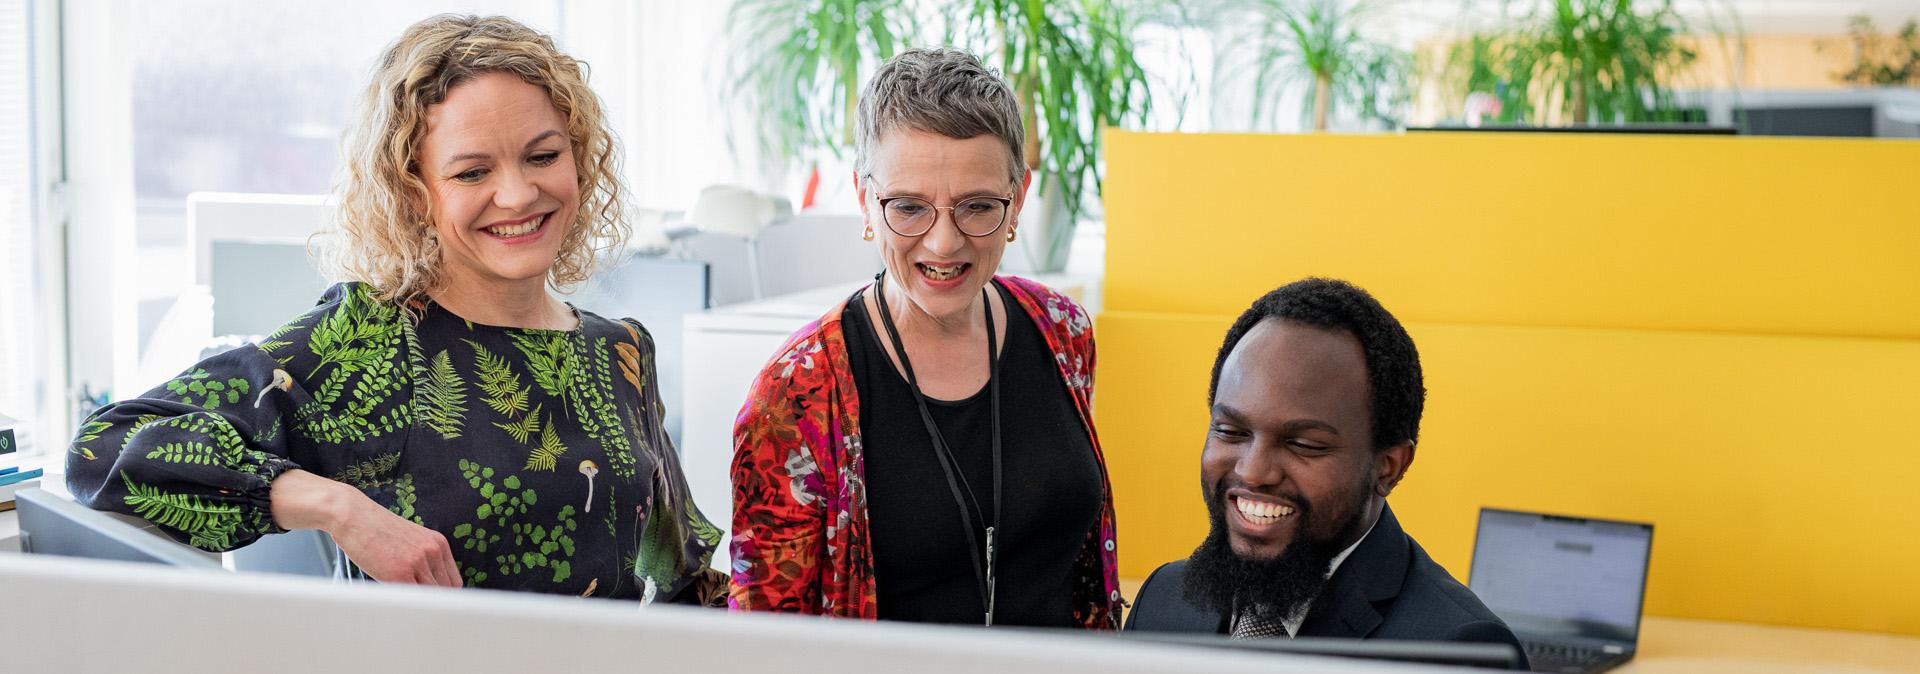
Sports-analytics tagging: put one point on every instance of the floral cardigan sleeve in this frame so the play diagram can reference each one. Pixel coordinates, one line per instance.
(799, 497)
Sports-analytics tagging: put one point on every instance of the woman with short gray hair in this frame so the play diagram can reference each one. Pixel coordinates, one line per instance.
(925, 450)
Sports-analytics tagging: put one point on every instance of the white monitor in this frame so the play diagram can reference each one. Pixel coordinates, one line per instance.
(250, 252)
(98, 616)
(51, 525)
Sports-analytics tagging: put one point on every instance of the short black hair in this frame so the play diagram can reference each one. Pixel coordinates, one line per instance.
(1393, 365)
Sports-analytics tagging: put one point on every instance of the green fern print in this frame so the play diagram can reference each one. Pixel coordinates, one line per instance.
(359, 335)
(211, 427)
(404, 497)
(274, 342)
(210, 525)
(133, 429)
(524, 429)
(89, 432)
(549, 359)
(498, 517)
(271, 433)
(369, 474)
(193, 453)
(442, 397)
(544, 456)
(580, 373)
(202, 388)
(357, 345)
(531, 451)
(499, 384)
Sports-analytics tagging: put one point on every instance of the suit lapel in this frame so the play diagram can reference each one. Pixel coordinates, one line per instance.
(1374, 573)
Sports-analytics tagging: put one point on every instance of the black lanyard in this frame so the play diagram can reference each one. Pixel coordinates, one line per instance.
(969, 505)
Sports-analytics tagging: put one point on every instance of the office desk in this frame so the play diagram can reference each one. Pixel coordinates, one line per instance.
(1675, 645)
(1705, 646)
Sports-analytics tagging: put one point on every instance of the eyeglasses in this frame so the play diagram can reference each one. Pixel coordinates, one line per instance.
(975, 216)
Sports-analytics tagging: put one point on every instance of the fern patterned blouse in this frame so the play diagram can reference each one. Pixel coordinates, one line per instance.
(538, 453)
(800, 528)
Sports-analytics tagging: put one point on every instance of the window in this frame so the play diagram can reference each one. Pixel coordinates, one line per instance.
(24, 374)
(250, 98)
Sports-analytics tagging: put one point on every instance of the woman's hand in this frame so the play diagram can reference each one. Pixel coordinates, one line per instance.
(387, 547)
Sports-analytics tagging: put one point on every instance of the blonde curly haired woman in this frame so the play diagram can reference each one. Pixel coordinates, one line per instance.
(442, 415)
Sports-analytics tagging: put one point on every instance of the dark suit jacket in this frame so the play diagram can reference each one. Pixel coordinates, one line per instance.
(1387, 589)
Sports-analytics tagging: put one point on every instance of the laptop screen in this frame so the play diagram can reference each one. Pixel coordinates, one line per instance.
(1551, 576)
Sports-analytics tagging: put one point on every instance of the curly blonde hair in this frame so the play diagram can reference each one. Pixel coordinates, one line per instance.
(381, 234)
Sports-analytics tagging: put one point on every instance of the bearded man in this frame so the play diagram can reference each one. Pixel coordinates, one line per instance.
(1315, 402)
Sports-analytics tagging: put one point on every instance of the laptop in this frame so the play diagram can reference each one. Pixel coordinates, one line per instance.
(1571, 588)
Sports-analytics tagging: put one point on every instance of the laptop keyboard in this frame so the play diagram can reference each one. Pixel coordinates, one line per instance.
(1562, 658)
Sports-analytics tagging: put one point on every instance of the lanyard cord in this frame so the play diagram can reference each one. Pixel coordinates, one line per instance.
(956, 481)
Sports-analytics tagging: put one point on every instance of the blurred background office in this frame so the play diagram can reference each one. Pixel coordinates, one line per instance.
(162, 162)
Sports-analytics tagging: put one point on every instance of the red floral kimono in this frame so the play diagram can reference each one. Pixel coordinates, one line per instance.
(800, 541)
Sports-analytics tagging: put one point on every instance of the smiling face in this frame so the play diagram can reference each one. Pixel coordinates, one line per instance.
(1289, 456)
(940, 272)
(499, 169)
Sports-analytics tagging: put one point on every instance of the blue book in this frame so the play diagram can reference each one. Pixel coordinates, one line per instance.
(20, 476)
(9, 470)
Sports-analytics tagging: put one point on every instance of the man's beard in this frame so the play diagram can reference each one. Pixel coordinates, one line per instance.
(1266, 589)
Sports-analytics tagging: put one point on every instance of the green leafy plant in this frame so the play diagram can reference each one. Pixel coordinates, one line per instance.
(799, 65)
(1073, 65)
(1882, 60)
(1579, 62)
(1320, 43)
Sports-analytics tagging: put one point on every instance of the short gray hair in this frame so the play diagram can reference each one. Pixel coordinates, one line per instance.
(943, 91)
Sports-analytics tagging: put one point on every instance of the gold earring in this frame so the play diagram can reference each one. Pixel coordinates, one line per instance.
(1012, 234)
(868, 235)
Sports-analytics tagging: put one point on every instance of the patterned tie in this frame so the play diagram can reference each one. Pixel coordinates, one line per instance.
(1247, 625)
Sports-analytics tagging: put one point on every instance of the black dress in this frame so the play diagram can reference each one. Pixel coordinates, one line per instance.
(1051, 487)
(537, 453)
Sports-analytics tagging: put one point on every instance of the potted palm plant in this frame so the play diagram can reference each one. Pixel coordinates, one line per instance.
(1072, 64)
(798, 65)
(1882, 60)
(1321, 45)
(1579, 62)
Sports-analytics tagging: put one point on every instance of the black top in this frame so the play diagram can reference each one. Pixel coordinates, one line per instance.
(1387, 589)
(1050, 483)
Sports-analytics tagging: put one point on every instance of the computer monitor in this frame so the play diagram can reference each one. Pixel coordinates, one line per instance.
(1654, 128)
(1490, 655)
(302, 552)
(51, 525)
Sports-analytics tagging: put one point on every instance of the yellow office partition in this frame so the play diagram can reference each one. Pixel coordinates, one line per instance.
(1791, 236)
(1717, 335)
